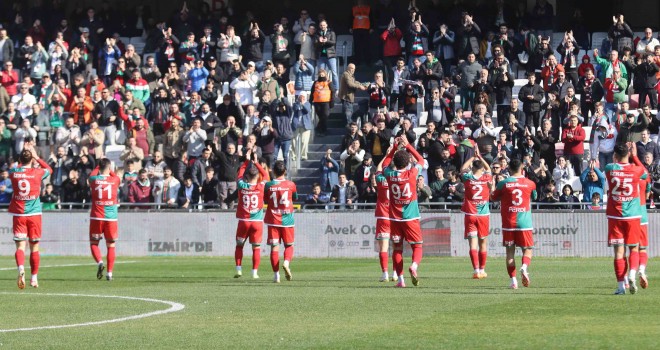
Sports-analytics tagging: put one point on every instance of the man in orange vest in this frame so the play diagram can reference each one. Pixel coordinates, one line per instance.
(361, 29)
(321, 97)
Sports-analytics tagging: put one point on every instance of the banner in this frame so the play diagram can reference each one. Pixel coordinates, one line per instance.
(331, 234)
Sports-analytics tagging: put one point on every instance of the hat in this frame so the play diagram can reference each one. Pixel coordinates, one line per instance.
(267, 119)
(250, 64)
(212, 58)
(269, 62)
(84, 30)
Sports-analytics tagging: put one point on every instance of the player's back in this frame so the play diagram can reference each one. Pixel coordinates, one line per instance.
(382, 197)
(26, 183)
(279, 196)
(403, 193)
(623, 194)
(250, 201)
(515, 195)
(477, 194)
(104, 190)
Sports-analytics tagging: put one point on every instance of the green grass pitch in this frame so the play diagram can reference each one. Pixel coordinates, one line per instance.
(330, 304)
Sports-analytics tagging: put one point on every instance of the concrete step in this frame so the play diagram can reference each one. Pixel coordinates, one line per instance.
(322, 147)
(307, 172)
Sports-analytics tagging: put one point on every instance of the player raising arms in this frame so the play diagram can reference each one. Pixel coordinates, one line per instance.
(280, 194)
(250, 212)
(478, 183)
(383, 220)
(104, 185)
(516, 193)
(404, 210)
(624, 212)
(25, 207)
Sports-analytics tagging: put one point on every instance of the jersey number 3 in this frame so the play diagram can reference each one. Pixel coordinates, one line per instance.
(517, 200)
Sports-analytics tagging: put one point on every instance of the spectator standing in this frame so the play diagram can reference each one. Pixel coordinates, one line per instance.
(573, 138)
(593, 182)
(188, 194)
(361, 28)
(198, 170)
(132, 152)
(630, 130)
(363, 174)
(443, 40)
(391, 38)
(602, 143)
(302, 124)
(645, 81)
(6, 190)
(591, 92)
(468, 73)
(304, 76)
(140, 190)
(531, 94)
(197, 76)
(347, 89)
(68, 136)
(228, 163)
(282, 122)
(647, 44)
(322, 98)
(195, 139)
(210, 188)
(621, 34)
(563, 172)
(344, 193)
(646, 145)
(326, 52)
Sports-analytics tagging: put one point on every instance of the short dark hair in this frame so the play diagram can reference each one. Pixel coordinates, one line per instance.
(515, 165)
(142, 171)
(104, 164)
(621, 150)
(252, 173)
(401, 159)
(477, 165)
(26, 157)
(279, 168)
(209, 168)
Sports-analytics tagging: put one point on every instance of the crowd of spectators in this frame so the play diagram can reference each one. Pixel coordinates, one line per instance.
(177, 112)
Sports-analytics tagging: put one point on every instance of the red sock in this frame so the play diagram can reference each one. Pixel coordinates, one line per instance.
(416, 253)
(383, 261)
(111, 258)
(511, 269)
(482, 259)
(34, 263)
(474, 258)
(20, 257)
(643, 257)
(96, 252)
(288, 253)
(526, 260)
(275, 260)
(397, 257)
(620, 269)
(634, 260)
(238, 255)
(256, 257)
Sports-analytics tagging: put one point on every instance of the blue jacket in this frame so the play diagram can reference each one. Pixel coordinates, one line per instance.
(302, 116)
(197, 78)
(5, 197)
(304, 78)
(329, 176)
(589, 187)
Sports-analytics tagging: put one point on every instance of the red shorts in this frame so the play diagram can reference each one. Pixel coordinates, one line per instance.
(383, 229)
(408, 230)
(249, 229)
(99, 229)
(522, 239)
(476, 226)
(623, 232)
(283, 234)
(27, 228)
(644, 236)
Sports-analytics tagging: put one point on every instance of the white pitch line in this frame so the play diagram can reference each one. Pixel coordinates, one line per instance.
(174, 307)
(69, 265)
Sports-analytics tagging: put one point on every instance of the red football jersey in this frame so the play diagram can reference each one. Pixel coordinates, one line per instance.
(516, 195)
(26, 183)
(382, 197)
(250, 196)
(477, 194)
(279, 195)
(104, 191)
(623, 194)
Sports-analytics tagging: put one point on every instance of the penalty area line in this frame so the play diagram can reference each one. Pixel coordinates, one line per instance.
(68, 265)
(174, 307)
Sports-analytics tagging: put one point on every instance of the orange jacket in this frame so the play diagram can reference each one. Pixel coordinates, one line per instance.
(87, 106)
(361, 17)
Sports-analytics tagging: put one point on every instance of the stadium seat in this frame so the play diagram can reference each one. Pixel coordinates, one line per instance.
(419, 131)
(341, 39)
(124, 39)
(587, 132)
(559, 149)
(137, 40)
(556, 39)
(146, 55)
(423, 117)
(597, 39)
(575, 183)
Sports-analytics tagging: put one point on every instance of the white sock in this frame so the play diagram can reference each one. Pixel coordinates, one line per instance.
(514, 281)
(622, 285)
(413, 266)
(239, 268)
(254, 271)
(394, 274)
(642, 269)
(482, 270)
(523, 267)
(400, 279)
(476, 270)
(285, 263)
(21, 268)
(277, 274)
(633, 274)
(109, 274)
(34, 277)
